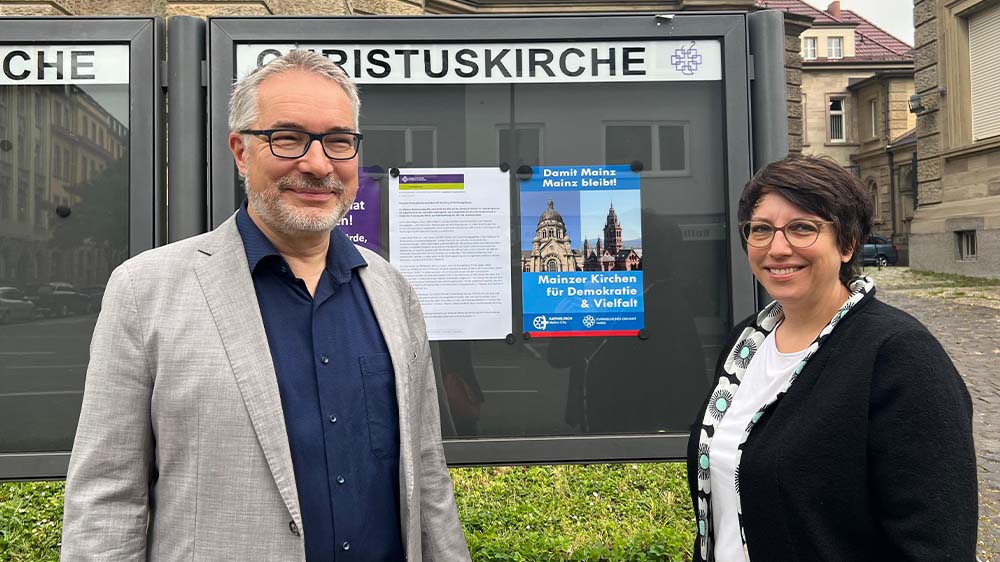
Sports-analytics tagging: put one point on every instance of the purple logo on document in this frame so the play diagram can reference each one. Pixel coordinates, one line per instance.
(432, 181)
(686, 61)
(362, 223)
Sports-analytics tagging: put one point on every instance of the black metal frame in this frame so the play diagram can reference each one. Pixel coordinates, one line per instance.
(731, 28)
(147, 208)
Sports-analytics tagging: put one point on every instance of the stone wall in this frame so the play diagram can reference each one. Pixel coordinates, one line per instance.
(900, 118)
(166, 8)
(959, 180)
(939, 252)
(925, 77)
(794, 26)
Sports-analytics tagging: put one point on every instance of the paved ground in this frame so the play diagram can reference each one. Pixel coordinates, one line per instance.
(964, 314)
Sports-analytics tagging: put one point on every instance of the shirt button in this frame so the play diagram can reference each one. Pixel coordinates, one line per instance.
(333, 419)
(293, 528)
(324, 359)
(340, 480)
(346, 545)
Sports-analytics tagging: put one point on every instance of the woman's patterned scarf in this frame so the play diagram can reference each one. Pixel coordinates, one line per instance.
(729, 381)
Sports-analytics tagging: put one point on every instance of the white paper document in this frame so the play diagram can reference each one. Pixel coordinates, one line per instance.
(449, 235)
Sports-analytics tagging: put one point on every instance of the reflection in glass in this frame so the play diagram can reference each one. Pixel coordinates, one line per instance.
(674, 232)
(63, 228)
(627, 143)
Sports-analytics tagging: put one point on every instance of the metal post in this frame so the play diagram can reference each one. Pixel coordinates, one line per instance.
(187, 164)
(768, 89)
(768, 96)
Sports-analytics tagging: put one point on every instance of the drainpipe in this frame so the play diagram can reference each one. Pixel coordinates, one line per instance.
(892, 192)
(886, 110)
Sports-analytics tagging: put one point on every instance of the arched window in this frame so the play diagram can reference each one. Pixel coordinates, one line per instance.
(552, 265)
(873, 192)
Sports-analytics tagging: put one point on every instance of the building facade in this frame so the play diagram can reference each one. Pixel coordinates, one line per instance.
(73, 139)
(54, 145)
(856, 80)
(956, 226)
(552, 247)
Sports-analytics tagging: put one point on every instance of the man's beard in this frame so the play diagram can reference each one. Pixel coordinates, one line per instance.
(283, 217)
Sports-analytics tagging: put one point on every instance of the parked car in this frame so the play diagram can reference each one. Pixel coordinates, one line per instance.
(95, 294)
(879, 251)
(15, 306)
(59, 299)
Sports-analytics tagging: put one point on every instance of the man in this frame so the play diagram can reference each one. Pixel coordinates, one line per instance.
(264, 392)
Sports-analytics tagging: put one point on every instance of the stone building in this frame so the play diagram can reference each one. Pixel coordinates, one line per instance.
(956, 226)
(551, 248)
(54, 144)
(794, 24)
(61, 176)
(856, 80)
(610, 253)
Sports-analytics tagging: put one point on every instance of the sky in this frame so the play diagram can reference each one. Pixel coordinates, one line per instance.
(894, 16)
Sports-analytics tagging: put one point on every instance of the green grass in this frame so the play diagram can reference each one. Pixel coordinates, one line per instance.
(30, 521)
(954, 280)
(627, 512)
(594, 513)
(905, 278)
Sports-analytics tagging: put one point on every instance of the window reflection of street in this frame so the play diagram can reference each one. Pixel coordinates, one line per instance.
(63, 229)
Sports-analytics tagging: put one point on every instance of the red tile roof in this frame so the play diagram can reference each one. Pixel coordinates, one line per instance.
(871, 43)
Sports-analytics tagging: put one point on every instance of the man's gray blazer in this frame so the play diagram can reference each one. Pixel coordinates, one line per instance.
(181, 451)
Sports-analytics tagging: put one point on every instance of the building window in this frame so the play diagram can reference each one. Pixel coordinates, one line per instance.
(658, 147)
(6, 190)
(873, 193)
(835, 47)
(966, 245)
(528, 151)
(4, 154)
(837, 129)
(389, 146)
(40, 214)
(805, 120)
(39, 111)
(22, 195)
(808, 48)
(984, 72)
(873, 112)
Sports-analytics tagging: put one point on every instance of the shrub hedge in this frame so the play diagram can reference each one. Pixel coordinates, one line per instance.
(594, 513)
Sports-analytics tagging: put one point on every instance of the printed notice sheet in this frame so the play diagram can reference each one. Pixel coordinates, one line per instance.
(449, 235)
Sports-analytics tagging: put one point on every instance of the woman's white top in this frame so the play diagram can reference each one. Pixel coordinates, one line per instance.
(767, 373)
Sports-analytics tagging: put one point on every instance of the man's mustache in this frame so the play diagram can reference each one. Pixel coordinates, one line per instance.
(329, 184)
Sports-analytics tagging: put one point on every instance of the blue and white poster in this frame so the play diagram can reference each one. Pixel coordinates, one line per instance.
(581, 252)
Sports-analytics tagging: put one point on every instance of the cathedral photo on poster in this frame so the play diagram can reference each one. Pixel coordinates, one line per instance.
(581, 231)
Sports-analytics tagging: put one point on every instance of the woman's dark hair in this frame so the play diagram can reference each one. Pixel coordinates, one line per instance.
(819, 186)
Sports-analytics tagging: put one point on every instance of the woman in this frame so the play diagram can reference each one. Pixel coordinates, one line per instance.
(838, 428)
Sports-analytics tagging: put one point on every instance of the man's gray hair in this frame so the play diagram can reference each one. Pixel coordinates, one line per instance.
(243, 102)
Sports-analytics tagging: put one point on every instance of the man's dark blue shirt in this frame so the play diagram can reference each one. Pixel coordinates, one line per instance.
(338, 394)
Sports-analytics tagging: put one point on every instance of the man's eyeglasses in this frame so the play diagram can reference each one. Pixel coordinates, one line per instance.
(800, 233)
(293, 143)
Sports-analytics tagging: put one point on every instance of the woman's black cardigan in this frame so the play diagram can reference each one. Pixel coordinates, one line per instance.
(868, 457)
